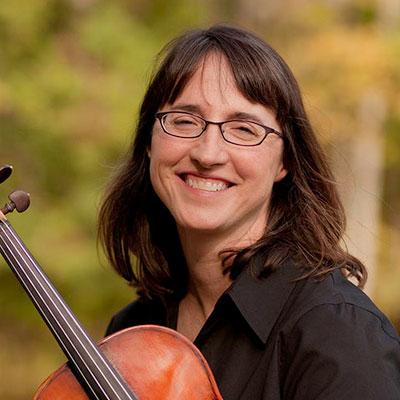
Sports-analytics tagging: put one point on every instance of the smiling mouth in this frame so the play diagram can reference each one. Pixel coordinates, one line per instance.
(209, 185)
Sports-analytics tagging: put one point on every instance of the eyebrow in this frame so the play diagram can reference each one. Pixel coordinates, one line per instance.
(235, 115)
(187, 107)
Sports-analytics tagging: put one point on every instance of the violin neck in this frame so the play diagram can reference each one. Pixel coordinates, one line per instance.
(90, 366)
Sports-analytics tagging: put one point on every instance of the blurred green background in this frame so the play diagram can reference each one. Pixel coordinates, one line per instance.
(72, 74)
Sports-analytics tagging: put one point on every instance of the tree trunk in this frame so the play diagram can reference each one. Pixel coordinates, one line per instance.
(360, 182)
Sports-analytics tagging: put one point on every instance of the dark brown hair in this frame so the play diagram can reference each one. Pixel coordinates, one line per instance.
(306, 219)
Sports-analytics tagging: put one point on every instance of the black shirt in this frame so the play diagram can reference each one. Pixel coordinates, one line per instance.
(283, 339)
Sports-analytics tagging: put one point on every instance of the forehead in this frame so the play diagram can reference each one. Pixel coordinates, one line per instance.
(212, 91)
(214, 68)
(212, 80)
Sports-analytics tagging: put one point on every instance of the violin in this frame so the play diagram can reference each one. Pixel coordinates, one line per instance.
(139, 363)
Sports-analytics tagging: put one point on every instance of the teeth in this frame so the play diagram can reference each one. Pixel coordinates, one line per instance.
(203, 184)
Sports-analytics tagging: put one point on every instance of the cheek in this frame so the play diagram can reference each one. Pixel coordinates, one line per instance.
(157, 171)
(159, 152)
(155, 155)
(164, 154)
(167, 150)
(265, 167)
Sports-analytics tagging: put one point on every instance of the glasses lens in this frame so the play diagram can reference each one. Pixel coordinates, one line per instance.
(182, 124)
(243, 132)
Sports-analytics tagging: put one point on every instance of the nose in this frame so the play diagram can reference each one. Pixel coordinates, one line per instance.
(210, 148)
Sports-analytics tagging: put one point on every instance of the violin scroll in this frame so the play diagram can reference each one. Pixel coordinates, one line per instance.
(19, 200)
(5, 172)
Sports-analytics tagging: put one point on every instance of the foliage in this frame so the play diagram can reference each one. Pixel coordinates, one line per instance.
(72, 73)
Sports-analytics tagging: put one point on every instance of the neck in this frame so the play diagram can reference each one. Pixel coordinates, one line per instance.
(207, 282)
(202, 251)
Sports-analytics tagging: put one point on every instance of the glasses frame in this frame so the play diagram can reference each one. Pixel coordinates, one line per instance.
(160, 116)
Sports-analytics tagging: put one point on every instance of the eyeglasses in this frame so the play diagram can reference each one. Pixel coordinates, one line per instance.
(239, 132)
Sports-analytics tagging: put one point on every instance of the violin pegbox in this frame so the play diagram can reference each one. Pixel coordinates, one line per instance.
(19, 200)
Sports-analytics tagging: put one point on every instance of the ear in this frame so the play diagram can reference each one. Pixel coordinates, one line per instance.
(280, 173)
(148, 151)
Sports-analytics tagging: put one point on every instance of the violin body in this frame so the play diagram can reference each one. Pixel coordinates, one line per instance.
(157, 362)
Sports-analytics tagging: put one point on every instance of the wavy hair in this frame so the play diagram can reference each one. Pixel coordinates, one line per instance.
(306, 219)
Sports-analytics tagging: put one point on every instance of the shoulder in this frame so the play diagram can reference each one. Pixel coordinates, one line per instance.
(335, 337)
(336, 300)
(282, 300)
(139, 312)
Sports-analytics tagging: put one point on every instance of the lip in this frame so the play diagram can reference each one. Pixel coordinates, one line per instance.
(185, 175)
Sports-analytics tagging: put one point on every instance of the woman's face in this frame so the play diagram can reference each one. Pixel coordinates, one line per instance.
(207, 184)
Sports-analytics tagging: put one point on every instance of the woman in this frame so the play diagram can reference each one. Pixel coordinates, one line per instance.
(231, 211)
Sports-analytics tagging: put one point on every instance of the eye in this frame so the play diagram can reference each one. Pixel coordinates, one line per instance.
(243, 128)
(246, 129)
(182, 124)
(183, 120)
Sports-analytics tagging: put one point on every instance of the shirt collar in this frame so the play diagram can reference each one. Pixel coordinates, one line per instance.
(261, 300)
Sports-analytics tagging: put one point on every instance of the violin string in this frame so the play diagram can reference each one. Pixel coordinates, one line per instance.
(34, 299)
(55, 333)
(68, 311)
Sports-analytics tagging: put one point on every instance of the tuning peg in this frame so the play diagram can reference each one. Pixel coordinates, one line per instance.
(5, 172)
(19, 200)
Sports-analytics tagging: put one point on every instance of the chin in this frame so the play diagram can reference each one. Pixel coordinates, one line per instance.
(205, 225)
